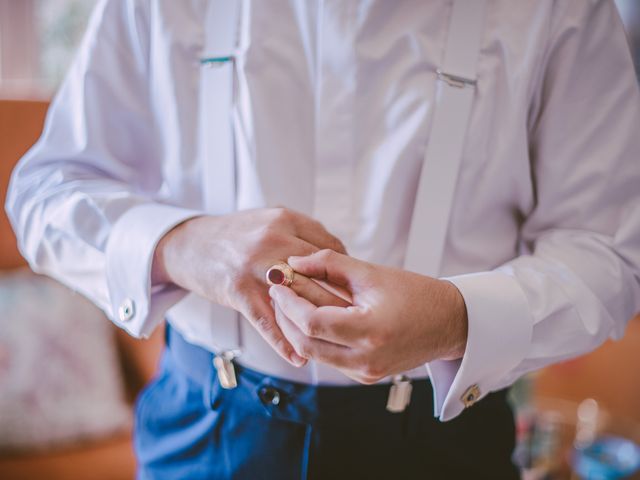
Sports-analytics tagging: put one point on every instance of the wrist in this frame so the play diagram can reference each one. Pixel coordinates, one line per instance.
(456, 320)
(159, 274)
(165, 255)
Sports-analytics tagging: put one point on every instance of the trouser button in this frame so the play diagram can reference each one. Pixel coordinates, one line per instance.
(269, 396)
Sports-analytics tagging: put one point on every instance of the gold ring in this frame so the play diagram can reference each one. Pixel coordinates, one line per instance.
(280, 274)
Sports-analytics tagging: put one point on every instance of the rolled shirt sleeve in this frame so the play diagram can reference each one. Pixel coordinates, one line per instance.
(84, 201)
(578, 280)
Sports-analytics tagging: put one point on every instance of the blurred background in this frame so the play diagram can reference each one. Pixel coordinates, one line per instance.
(68, 378)
(38, 39)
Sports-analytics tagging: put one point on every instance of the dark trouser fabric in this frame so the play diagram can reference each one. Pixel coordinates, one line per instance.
(188, 427)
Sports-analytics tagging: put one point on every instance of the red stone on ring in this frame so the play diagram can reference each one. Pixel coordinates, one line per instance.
(276, 276)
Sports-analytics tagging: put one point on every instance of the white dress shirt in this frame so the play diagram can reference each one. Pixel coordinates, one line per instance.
(334, 111)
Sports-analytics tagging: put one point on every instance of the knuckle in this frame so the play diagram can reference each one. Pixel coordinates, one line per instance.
(335, 243)
(304, 348)
(252, 253)
(264, 324)
(281, 214)
(239, 281)
(282, 346)
(262, 233)
(310, 327)
(269, 237)
(366, 380)
(315, 224)
(378, 339)
(320, 228)
(326, 255)
(372, 371)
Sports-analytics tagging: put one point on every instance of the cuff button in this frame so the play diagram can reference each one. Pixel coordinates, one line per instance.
(470, 396)
(127, 310)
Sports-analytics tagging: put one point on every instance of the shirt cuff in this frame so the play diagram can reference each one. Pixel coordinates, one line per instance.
(135, 306)
(499, 335)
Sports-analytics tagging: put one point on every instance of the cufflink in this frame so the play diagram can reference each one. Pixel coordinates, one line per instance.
(470, 396)
(127, 310)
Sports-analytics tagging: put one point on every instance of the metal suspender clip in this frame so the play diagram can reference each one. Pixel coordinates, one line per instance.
(399, 394)
(455, 80)
(216, 62)
(223, 362)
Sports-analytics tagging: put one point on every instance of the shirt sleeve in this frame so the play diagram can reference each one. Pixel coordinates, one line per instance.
(578, 280)
(85, 200)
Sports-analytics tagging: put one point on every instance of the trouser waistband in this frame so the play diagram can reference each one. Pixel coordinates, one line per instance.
(197, 364)
(326, 425)
(274, 393)
(268, 427)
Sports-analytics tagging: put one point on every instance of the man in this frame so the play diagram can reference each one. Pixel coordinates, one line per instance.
(333, 106)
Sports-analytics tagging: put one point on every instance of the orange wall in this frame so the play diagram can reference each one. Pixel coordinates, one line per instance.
(20, 126)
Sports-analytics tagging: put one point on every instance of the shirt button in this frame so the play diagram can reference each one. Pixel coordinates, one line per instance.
(127, 310)
(470, 396)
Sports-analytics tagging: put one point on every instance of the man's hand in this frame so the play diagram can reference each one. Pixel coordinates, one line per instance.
(398, 320)
(225, 258)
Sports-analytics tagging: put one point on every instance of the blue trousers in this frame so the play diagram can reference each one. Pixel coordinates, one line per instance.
(189, 427)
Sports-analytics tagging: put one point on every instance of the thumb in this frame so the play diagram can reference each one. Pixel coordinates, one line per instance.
(330, 266)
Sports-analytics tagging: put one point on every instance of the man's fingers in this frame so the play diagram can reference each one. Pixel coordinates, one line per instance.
(336, 290)
(300, 245)
(330, 266)
(315, 293)
(314, 232)
(313, 348)
(262, 317)
(337, 325)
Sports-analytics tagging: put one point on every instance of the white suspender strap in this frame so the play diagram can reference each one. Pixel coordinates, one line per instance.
(222, 37)
(452, 109)
(217, 92)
